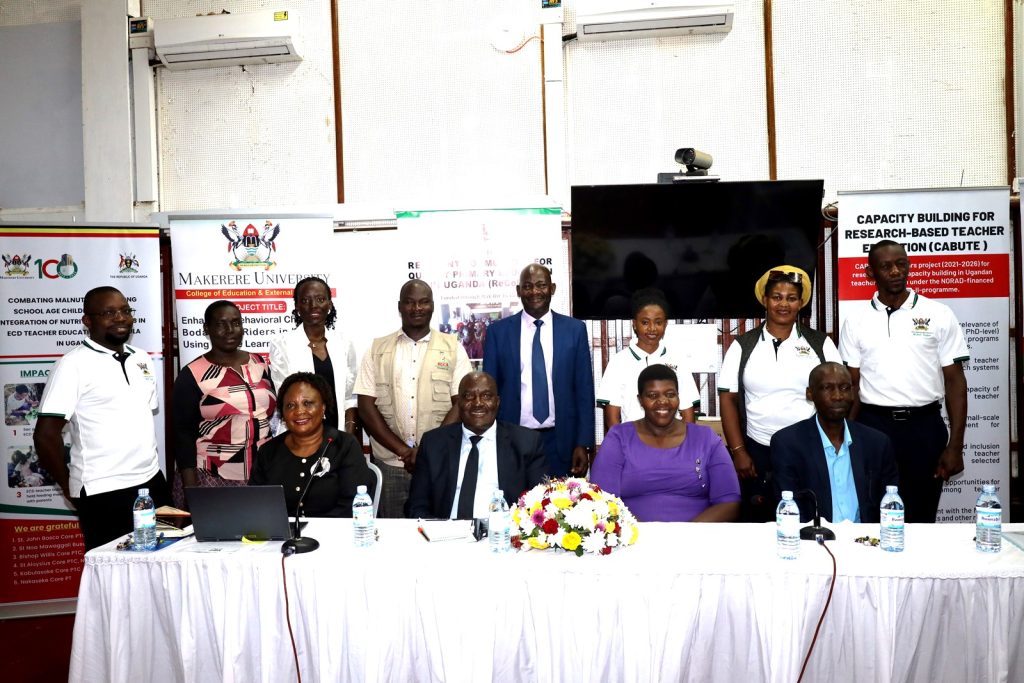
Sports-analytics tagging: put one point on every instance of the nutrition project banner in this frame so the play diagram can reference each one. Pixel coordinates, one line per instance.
(253, 261)
(958, 242)
(45, 274)
(472, 260)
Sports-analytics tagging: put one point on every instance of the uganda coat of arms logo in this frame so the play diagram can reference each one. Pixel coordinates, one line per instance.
(251, 248)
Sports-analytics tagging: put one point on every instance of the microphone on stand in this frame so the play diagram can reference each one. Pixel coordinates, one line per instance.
(297, 544)
(810, 532)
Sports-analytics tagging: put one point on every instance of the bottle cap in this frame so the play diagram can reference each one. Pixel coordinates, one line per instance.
(498, 493)
(891, 489)
(988, 488)
(361, 488)
(787, 495)
(143, 493)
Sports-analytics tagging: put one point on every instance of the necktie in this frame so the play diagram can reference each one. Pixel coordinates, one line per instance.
(468, 491)
(541, 410)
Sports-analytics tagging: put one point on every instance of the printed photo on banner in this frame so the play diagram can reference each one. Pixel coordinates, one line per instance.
(21, 401)
(472, 261)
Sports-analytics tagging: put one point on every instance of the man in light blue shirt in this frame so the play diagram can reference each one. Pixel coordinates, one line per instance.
(840, 475)
(845, 464)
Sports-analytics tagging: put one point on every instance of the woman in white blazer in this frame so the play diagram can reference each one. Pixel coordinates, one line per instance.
(309, 348)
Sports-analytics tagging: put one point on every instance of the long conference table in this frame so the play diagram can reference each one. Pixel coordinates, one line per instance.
(689, 602)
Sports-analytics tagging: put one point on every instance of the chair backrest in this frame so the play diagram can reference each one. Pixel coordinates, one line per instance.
(380, 484)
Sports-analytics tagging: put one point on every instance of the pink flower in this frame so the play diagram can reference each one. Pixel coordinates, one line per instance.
(538, 517)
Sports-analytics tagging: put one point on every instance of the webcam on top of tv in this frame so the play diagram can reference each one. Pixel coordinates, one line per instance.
(697, 164)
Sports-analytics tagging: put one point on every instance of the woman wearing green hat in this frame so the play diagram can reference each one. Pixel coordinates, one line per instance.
(763, 380)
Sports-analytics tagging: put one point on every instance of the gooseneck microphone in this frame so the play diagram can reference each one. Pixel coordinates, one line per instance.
(809, 533)
(298, 544)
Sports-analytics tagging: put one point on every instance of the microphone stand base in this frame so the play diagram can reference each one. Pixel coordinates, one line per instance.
(300, 545)
(810, 532)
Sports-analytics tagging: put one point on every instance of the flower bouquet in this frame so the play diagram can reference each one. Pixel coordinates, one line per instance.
(574, 515)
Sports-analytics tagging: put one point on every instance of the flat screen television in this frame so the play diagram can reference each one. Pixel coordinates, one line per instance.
(703, 244)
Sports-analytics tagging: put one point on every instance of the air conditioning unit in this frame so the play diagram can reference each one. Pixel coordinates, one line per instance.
(225, 39)
(623, 19)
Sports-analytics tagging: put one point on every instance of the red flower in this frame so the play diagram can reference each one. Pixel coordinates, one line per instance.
(516, 542)
(606, 550)
(544, 503)
(550, 526)
(587, 496)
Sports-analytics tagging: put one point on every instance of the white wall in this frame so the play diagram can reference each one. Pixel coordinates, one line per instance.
(869, 93)
(40, 109)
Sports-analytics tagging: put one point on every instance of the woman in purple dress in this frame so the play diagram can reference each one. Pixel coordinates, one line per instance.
(664, 469)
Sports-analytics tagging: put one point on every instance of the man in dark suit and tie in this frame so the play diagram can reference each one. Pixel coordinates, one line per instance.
(541, 362)
(846, 464)
(459, 466)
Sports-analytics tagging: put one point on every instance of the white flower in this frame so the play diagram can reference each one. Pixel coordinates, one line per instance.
(613, 540)
(594, 543)
(581, 516)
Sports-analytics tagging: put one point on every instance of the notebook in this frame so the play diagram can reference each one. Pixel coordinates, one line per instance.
(227, 513)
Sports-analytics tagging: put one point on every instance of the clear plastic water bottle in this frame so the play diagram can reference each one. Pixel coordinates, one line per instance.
(891, 514)
(787, 527)
(499, 523)
(362, 518)
(144, 522)
(988, 537)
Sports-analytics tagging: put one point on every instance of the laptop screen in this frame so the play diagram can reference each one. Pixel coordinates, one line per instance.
(229, 513)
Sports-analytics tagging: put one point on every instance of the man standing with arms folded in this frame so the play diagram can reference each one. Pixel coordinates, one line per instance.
(407, 385)
(905, 353)
(107, 391)
(541, 362)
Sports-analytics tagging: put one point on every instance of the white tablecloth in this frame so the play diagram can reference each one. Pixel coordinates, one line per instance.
(700, 602)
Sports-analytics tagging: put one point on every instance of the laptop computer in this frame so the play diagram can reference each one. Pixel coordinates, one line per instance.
(227, 513)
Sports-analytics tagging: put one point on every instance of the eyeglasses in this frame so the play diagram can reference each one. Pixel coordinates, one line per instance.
(111, 313)
(783, 276)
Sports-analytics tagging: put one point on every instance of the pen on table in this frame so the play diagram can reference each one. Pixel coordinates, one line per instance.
(423, 533)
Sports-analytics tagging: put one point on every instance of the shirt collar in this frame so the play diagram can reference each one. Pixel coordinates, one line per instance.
(640, 354)
(403, 337)
(910, 302)
(528, 319)
(490, 435)
(827, 442)
(98, 348)
(796, 328)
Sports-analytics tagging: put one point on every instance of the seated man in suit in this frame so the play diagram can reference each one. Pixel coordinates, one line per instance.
(459, 466)
(846, 464)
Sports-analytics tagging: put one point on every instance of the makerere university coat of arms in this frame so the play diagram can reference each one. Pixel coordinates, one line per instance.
(250, 248)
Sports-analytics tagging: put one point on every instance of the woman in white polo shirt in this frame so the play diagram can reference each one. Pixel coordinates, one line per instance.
(763, 381)
(617, 393)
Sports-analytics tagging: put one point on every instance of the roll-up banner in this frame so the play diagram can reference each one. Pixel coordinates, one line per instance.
(472, 260)
(958, 242)
(46, 271)
(252, 260)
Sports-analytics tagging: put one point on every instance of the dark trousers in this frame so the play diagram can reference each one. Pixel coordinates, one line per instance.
(918, 442)
(106, 516)
(757, 501)
(558, 463)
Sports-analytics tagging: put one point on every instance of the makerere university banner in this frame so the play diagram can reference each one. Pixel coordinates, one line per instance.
(958, 242)
(253, 261)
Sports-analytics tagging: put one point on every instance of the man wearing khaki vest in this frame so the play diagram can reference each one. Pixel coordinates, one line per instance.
(407, 385)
